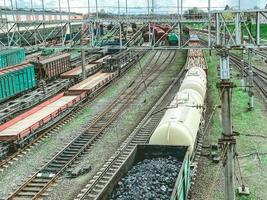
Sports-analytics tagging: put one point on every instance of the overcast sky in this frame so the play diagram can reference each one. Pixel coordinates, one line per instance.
(79, 5)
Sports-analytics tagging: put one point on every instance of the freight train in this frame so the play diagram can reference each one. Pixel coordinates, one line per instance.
(19, 131)
(173, 39)
(39, 70)
(19, 78)
(19, 83)
(181, 122)
(9, 57)
(172, 143)
(160, 32)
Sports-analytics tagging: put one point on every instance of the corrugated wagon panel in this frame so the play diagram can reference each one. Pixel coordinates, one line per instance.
(53, 66)
(9, 57)
(15, 80)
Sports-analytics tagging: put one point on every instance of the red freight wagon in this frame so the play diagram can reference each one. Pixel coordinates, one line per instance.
(52, 67)
(92, 84)
(165, 28)
(24, 125)
(159, 33)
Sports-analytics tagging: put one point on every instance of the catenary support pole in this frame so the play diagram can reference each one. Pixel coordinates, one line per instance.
(258, 28)
(96, 9)
(218, 34)
(83, 64)
(209, 29)
(237, 29)
(250, 91)
(242, 70)
(228, 139)
(120, 25)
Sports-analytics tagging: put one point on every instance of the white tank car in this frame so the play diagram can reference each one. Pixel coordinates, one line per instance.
(195, 79)
(180, 123)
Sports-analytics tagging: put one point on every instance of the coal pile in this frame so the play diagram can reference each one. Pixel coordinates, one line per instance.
(151, 179)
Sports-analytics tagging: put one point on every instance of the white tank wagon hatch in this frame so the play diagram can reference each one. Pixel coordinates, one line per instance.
(180, 124)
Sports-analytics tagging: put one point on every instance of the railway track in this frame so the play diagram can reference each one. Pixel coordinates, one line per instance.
(13, 107)
(262, 54)
(42, 179)
(5, 163)
(95, 189)
(259, 76)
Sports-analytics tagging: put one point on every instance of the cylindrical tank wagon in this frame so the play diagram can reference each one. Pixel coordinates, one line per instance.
(195, 79)
(180, 124)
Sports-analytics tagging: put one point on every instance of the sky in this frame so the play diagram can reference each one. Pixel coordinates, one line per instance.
(134, 5)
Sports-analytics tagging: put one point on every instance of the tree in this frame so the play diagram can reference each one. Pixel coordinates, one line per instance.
(227, 7)
(194, 13)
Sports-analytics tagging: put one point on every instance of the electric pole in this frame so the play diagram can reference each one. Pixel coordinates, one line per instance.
(83, 64)
(250, 91)
(228, 139)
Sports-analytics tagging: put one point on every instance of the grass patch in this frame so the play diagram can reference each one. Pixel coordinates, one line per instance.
(245, 122)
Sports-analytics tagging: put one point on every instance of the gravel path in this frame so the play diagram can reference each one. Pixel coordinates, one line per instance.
(18, 172)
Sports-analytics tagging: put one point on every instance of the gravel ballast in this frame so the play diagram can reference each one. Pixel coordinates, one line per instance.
(41, 153)
(149, 179)
(116, 134)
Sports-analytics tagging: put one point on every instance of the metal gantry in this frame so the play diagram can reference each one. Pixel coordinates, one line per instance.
(231, 29)
(225, 30)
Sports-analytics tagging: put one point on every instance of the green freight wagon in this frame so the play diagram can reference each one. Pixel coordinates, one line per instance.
(173, 39)
(10, 57)
(147, 152)
(47, 52)
(15, 80)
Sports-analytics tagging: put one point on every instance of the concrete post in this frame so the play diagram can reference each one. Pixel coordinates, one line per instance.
(126, 7)
(149, 34)
(250, 91)
(218, 39)
(96, 9)
(237, 29)
(69, 19)
(152, 7)
(120, 36)
(83, 64)
(258, 28)
(148, 7)
(182, 9)
(209, 30)
(179, 35)
(228, 132)
(228, 138)
(92, 35)
(178, 8)
(209, 26)
(242, 75)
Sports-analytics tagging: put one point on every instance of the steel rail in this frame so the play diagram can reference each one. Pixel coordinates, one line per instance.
(96, 187)
(5, 163)
(43, 179)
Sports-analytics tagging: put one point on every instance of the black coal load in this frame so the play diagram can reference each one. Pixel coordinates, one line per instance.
(151, 179)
